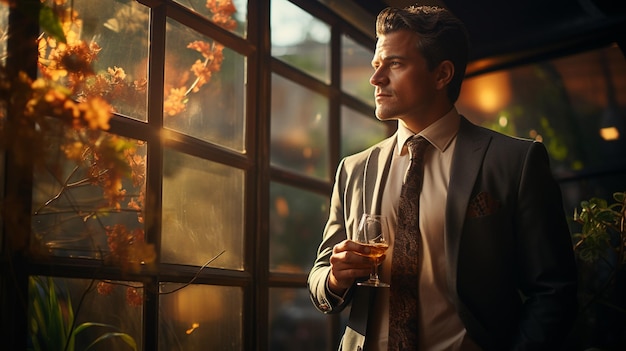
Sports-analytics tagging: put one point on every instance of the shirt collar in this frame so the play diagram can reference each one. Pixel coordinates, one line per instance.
(439, 134)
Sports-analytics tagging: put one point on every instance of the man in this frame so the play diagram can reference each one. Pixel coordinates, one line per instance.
(496, 270)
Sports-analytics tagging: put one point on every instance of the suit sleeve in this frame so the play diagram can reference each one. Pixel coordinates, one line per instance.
(546, 263)
(334, 233)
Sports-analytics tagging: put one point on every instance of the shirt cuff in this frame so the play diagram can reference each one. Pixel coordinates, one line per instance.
(336, 299)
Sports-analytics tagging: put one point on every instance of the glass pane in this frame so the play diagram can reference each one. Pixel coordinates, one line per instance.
(356, 70)
(204, 88)
(359, 131)
(295, 324)
(229, 14)
(113, 37)
(203, 213)
(299, 129)
(61, 306)
(83, 206)
(297, 219)
(4, 27)
(300, 39)
(200, 317)
(2, 200)
(4, 31)
(566, 103)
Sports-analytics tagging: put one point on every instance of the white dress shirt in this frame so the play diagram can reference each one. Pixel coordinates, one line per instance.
(440, 327)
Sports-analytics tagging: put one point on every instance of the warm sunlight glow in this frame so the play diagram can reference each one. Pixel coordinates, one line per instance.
(610, 133)
(194, 326)
(535, 135)
(196, 304)
(487, 93)
(307, 152)
(503, 121)
(282, 206)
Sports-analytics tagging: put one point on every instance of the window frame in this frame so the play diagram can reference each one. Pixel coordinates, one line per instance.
(256, 280)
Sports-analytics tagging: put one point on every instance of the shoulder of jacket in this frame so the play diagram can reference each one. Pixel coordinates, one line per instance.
(362, 156)
(470, 128)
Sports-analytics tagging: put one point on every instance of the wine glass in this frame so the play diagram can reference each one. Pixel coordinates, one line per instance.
(373, 232)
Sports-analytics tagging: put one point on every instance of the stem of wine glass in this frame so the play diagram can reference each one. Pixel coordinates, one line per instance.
(374, 274)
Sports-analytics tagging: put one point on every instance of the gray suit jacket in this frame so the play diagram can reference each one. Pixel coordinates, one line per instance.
(510, 263)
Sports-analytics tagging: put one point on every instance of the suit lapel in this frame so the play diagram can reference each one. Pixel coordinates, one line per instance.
(375, 175)
(471, 145)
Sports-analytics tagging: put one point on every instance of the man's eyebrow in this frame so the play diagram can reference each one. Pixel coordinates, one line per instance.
(378, 58)
(393, 57)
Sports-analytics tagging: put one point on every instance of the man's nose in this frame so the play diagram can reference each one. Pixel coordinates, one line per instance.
(378, 78)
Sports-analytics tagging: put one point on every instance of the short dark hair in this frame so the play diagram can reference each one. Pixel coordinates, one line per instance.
(442, 36)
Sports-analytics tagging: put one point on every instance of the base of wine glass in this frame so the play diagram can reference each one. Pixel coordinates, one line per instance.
(373, 283)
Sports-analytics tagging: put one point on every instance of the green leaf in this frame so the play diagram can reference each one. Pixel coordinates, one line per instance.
(87, 325)
(607, 216)
(52, 316)
(49, 22)
(48, 326)
(598, 203)
(125, 337)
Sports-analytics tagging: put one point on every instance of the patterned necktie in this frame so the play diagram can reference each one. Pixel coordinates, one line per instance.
(405, 263)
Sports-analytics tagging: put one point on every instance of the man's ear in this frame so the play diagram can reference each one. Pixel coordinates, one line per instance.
(445, 72)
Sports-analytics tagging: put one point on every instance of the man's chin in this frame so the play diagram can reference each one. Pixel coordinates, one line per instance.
(382, 116)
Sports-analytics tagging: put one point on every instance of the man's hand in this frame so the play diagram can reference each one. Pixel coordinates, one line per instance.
(348, 263)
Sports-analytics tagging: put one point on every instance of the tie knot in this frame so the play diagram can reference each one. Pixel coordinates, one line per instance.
(417, 145)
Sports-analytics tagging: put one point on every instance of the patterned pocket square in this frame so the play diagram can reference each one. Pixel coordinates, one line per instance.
(482, 205)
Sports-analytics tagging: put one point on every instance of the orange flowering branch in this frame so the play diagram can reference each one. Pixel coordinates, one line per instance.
(213, 56)
(69, 108)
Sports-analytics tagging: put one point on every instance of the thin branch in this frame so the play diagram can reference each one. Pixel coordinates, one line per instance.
(61, 191)
(195, 276)
(195, 82)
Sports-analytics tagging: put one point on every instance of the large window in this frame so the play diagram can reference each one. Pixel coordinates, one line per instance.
(320, 95)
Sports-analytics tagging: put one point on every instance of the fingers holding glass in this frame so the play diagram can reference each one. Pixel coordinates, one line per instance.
(373, 232)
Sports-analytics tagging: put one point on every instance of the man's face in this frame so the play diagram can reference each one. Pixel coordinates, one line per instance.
(404, 87)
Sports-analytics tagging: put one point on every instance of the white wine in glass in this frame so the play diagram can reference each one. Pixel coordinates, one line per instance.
(373, 232)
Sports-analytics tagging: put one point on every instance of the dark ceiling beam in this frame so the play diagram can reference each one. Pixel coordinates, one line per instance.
(545, 45)
(507, 33)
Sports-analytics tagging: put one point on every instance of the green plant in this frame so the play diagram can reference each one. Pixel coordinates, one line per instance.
(52, 321)
(600, 248)
(603, 231)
